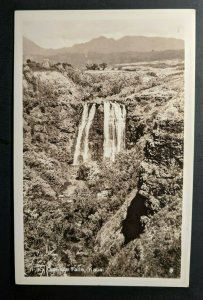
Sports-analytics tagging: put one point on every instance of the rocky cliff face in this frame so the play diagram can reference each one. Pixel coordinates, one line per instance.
(101, 214)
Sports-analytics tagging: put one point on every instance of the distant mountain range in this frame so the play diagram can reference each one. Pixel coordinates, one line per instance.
(108, 50)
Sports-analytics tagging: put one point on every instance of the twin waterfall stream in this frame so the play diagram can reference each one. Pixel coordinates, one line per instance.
(114, 131)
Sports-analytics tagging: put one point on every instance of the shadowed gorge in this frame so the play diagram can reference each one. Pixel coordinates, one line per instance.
(132, 226)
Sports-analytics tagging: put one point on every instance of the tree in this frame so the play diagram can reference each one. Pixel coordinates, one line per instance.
(103, 65)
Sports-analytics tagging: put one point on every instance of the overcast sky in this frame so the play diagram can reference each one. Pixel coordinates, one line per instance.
(57, 33)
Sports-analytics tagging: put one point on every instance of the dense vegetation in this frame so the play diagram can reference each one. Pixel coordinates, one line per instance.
(74, 216)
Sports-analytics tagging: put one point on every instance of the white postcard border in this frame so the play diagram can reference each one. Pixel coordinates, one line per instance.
(187, 17)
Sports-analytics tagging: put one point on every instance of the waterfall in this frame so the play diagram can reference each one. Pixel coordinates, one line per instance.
(87, 129)
(114, 129)
(107, 147)
(82, 143)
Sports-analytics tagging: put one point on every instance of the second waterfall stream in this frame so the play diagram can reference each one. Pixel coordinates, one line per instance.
(114, 131)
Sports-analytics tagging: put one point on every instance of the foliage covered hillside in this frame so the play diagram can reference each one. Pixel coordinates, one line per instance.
(103, 218)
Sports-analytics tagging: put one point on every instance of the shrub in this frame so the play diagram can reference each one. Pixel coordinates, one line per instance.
(92, 66)
(100, 261)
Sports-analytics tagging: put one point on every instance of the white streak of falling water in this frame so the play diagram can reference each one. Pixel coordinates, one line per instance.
(119, 125)
(80, 134)
(87, 129)
(123, 125)
(107, 148)
(114, 136)
(114, 129)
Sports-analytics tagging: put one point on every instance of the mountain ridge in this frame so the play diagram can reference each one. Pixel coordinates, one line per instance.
(103, 44)
(103, 49)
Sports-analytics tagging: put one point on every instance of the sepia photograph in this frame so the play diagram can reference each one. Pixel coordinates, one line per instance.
(104, 120)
